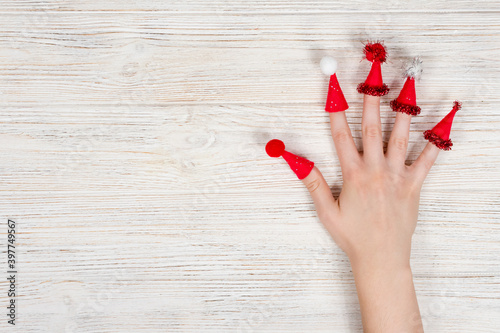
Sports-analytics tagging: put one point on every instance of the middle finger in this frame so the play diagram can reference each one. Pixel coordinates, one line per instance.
(373, 149)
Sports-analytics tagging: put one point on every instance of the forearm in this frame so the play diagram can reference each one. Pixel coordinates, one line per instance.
(387, 297)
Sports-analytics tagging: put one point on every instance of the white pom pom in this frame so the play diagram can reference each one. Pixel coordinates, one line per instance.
(414, 68)
(328, 65)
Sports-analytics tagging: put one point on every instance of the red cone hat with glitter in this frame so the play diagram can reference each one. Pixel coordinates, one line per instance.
(440, 134)
(299, 165)
(407, 99)
(373, 85)
(335, 100)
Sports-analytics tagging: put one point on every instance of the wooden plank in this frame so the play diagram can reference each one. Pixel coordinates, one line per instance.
(80, 58)
(260, 7)
(132, 138)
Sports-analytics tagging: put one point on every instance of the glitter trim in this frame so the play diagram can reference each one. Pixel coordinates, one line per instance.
(437, 141)
(366, 89)
(412, 110)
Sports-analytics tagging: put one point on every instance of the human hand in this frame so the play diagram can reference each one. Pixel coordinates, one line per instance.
(375, 215)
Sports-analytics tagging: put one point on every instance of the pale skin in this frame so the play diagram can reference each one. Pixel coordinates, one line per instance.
(375, 215)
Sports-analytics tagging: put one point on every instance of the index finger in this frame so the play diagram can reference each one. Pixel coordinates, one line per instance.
(342, 138)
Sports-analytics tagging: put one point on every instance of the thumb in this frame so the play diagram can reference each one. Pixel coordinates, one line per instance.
(320, 193)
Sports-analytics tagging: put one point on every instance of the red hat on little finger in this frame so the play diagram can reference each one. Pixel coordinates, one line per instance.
(440, 134)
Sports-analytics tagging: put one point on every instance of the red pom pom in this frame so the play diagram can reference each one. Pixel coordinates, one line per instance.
(375, 52)
(457, 106)
(275, 148)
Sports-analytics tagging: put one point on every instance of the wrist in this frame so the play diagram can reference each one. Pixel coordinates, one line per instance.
(387, 296)
(380, 266)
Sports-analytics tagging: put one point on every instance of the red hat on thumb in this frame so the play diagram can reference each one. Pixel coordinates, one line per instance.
(440, 134)
(299, 165)
(373, 85)
(407, 99)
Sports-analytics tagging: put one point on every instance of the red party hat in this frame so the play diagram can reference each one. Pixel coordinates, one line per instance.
(335, 100)
(373, 85)
(440, 134)
(299, 165)
(407, 99)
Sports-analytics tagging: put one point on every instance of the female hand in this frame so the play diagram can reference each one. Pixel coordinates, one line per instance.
(375, 215)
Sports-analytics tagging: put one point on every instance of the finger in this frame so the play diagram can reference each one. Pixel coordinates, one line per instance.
(320, 193)
(424, 162)
(372, 130)
(398, 142)
(342, 138)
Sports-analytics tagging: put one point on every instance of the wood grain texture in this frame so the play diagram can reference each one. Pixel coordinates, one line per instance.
(132, 137)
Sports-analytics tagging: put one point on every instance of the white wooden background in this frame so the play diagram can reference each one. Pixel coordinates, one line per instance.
(132, 159)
